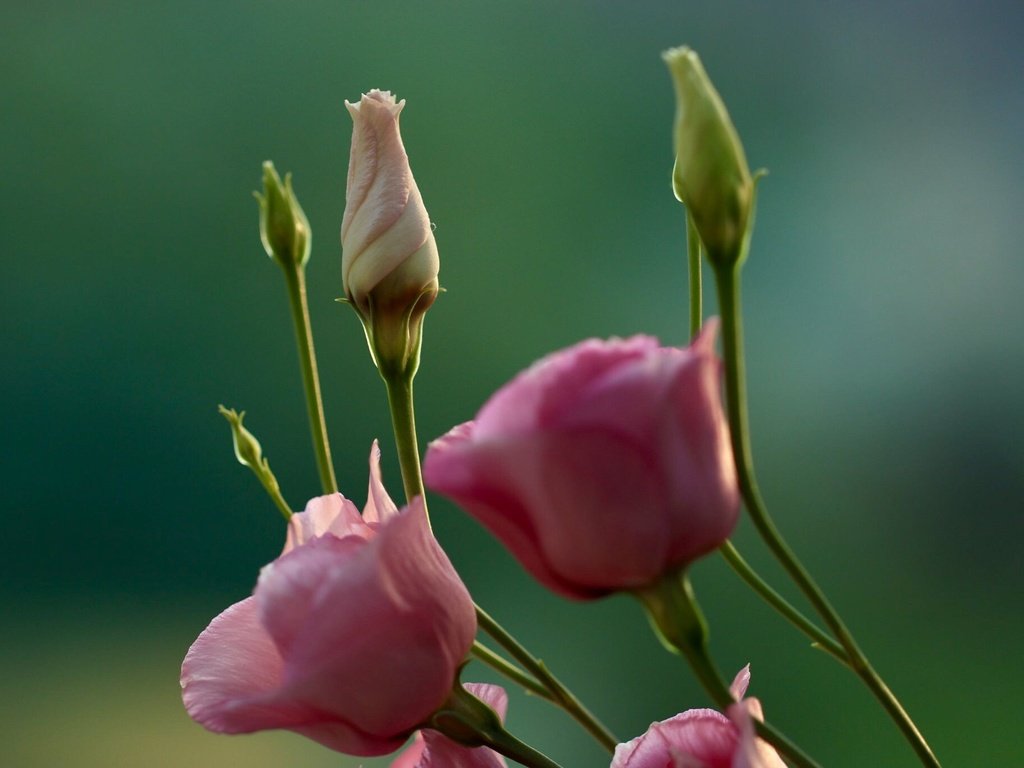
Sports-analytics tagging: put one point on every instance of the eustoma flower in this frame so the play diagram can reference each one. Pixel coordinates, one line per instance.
(352, 637)
(389, 257)
(703, 738)
(602, 466)
(432, 750)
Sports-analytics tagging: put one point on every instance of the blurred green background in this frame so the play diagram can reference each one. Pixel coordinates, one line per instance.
(883, 302)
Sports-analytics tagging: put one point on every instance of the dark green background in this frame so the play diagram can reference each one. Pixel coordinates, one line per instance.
(882, 302)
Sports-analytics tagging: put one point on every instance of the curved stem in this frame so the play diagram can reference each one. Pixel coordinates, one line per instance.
(499, 664)
(295, 277)
(728, 281)
(779, 603)
(693, 250)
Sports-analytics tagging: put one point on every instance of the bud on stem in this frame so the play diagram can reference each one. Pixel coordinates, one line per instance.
(389, 258)
(284, 228)
(710, 177)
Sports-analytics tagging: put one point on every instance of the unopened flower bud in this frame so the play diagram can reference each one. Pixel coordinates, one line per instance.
(389, 258)
(284, 228)
(248, 450)
(711, 177)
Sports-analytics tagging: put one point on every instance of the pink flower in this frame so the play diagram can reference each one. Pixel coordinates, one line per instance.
(352, 637)
(703, 738)
(602, 466)
(432, 750)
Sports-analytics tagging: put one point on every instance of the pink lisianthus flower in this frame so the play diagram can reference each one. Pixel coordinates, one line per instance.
(602, 466)
(352, 637)
(703, 738)
(430, 749)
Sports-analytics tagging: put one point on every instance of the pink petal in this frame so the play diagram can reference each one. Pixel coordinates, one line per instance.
(538, 395)
(387, 591)
(595, 501)
(331, 514)
(412, 756)
(738, 689)
(476, 474)
(379, 506)
(751, 752)
(231, 673)
(701, 735)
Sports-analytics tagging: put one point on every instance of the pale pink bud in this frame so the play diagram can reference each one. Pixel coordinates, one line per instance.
(389, 258)
(703, 738)
(353, 636)
(431, 749)
(601, 467)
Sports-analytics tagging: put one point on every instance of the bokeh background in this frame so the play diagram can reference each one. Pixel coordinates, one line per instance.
(883, 306)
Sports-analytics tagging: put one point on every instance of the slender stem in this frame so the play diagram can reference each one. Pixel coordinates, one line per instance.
(779, 603)
(559, 694)
(403, 422)
(274, 491)
(728, 281)
(679, 622)
(693, 251)
(295, 277)
(729, 552)
(501, 665)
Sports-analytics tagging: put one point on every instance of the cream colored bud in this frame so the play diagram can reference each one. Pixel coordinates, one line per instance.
(389, 258)
(710, 177)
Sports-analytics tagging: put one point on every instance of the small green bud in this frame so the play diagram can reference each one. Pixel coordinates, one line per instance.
(710, 177)
(247, 448)
(284, 228)
(250, 454)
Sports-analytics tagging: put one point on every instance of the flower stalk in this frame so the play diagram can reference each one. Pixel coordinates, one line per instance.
(727, 278)
(287, 239)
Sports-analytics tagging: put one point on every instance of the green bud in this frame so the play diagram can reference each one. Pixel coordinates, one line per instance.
(247, 448)
(284, 228)
(250, 454)
(710, 177)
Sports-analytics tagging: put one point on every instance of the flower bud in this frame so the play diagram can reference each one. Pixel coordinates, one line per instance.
(284, 228)
(389, 259)
(247, 448)
(710, 177)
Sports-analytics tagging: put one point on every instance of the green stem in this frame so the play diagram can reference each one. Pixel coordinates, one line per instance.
(501, 665)
(729, 552)
(693, 250)
(274, 492)
(678, 620)
(779, 603)
(403, 422)
(728, 280)
(295, 277)
(559, 694)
